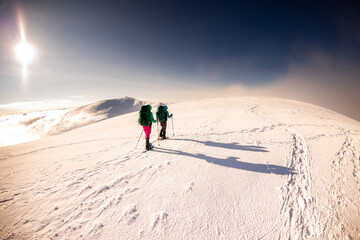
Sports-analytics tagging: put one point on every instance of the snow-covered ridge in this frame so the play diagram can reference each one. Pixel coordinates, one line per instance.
(18, 128)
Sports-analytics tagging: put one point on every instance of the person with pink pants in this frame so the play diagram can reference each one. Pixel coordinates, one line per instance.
(147, 130)
(146, 119)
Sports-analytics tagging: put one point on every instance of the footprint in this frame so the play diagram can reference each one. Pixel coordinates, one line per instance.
(217, 230)
(129, 215)
(159, 218)
(189, 188)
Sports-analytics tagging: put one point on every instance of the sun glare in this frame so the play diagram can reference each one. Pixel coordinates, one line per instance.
(24, 53)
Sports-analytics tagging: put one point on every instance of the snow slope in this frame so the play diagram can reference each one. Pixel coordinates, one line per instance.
(237, 168)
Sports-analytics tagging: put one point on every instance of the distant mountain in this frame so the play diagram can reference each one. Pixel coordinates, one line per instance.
(96, 112)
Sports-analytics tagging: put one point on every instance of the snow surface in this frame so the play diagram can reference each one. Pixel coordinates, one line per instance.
(237, 168)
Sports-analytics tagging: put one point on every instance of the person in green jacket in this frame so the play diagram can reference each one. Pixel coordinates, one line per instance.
(162, 116)
(146, 119)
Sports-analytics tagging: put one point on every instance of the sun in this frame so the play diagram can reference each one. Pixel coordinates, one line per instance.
(24, 52)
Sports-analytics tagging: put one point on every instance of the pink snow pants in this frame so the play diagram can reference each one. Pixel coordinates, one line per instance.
(147, 130)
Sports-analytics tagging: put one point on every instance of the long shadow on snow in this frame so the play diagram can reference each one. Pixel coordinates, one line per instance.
(232, 162)
(233, 145)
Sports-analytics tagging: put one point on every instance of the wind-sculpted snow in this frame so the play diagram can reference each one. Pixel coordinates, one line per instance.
(236, 168)
(95, 112)
(26, 127)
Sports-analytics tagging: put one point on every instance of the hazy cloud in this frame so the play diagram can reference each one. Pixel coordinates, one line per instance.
(324, 81)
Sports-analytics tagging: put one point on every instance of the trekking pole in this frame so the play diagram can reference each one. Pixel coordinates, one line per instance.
(139, 139)
(172, 123)
(157, 129)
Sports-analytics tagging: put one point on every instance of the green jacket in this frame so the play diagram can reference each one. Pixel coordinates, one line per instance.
(162, 114)
(167, 113)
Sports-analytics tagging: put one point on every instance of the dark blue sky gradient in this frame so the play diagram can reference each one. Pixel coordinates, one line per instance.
(192, 37)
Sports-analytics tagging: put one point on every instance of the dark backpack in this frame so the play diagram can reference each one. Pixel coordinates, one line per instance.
(161, 114)
(144, 116)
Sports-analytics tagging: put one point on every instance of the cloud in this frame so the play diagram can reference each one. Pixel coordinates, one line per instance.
(19, 128)
(40, 105)
(324, 80)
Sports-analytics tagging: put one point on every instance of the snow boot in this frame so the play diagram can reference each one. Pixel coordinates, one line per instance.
(161, 134)
(164, 135)
(148, 146)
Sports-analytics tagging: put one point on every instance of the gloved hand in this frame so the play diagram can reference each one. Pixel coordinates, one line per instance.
(171, 115)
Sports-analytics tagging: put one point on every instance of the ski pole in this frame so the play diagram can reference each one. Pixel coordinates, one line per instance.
(157, 129)
(172, 123)
(139, 139)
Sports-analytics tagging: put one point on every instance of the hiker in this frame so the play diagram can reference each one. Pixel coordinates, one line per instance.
(146, 119)
(162, 115)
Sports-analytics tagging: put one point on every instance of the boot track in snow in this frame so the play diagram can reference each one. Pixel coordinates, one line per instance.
(297, 208)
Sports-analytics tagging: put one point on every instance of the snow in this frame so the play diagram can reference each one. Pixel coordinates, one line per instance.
(237, 168)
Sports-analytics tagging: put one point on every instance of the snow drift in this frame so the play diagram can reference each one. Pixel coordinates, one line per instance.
(237, 168)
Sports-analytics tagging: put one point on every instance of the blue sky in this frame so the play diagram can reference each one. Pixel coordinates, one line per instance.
(173, 50)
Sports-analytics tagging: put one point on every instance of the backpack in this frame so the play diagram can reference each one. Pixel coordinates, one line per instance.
(161, 114)
(144, 116)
